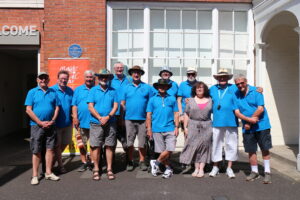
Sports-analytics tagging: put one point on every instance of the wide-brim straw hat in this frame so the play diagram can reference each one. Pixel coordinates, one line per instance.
(136, 68)
(223, 72)
(162, 82)
(103, 73)
(165, 69)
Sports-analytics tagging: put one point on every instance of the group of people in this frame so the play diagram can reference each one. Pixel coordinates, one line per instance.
(123, 108)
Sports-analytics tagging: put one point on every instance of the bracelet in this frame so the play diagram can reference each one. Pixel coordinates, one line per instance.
(181, 114)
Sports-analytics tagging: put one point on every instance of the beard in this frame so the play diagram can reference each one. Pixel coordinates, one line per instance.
(103, 83)
(191, 78)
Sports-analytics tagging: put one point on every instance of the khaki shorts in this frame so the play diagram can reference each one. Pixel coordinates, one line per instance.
(165, 141)
(85, 135)
(102, 135)
(64, 135)
(133, 128)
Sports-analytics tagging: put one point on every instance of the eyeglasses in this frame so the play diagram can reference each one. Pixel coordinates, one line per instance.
(241, 83)
(191, 74)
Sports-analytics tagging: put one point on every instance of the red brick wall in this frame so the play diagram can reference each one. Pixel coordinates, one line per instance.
(24, 17)
(76, 21)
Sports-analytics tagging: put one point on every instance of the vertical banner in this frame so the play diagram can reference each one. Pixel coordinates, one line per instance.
(76, 68)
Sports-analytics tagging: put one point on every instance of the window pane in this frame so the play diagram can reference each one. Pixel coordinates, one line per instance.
(225, 22)
(189, 21)
(205, 45)
(190, 45)
(136, 20)
(137, 45)
(204, 71)
(173, 20)
(175, 67)
(204, 20)
(157, 20)
(240, 22)
(240, 67)
(189, 63)
(241, 45)
(155, 66)
(175, 44)
(227, 64)
(226, 45)
(119, 20)
(120, 44)
(158, 44)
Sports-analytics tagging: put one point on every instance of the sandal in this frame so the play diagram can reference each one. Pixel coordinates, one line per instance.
(110, 175)
(96, 176)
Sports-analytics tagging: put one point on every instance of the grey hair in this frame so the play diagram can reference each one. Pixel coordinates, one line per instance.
(118, 63)
(239, 76)
(89, 72)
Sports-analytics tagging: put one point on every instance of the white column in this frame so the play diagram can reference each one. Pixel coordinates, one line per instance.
(215, 47)
(109, 37)
(297, 29)
(260, 68)
(146, 44)
(250, 65)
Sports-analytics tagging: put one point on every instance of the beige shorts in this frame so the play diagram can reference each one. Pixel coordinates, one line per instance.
(64, 135)
(85, 135)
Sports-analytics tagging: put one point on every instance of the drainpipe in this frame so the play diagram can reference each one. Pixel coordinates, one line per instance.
(297, 29)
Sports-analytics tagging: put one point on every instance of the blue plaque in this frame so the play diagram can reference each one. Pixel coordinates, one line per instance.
(75, 51)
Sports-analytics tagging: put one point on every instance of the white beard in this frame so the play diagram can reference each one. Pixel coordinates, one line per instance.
(191, 78)
(103, 83)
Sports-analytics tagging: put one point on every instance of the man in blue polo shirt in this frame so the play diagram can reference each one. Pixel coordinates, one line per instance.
(42, 106)
(119, 82)
(165, 74)
(225, 123)
(81, 115)
(63, 121)
(103, 104)
(185, 91)
(162, 125)
(134, 101)
(250, 107)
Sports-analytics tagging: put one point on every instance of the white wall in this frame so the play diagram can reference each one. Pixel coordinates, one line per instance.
(277, 67)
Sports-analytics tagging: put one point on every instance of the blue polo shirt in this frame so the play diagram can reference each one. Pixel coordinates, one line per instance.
(248, 105)
(43, 103)
(136, 98)
(80, 101)
(162, 110)
(172, 91)
(225, 97)
(65, 98)
(184, 91)
(119, 86)
(103, 102)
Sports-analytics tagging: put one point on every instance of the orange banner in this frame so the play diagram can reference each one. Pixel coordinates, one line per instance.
(75, 67)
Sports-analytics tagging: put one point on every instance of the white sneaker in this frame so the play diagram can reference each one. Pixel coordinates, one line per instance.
(51, 177)
(230, 173)
(34, 180)
(154, 168)
(214, 172)
(168, 173)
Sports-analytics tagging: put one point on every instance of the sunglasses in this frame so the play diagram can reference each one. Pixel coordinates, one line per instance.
(191, 74)
(43, 77)
(241, 83)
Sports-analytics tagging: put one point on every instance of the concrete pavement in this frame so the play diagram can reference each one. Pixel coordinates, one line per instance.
(15, 173)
